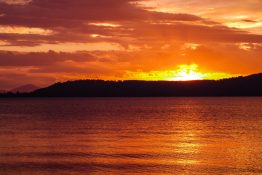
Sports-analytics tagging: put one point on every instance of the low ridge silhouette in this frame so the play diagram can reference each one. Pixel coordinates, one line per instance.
(239, 86)
(25, 88)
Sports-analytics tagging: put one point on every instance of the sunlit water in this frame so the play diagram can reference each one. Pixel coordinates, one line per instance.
(181, 136)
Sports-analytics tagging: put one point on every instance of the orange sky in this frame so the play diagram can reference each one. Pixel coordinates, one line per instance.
(45, 41)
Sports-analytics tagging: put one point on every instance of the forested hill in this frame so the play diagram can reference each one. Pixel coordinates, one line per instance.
(240, 86)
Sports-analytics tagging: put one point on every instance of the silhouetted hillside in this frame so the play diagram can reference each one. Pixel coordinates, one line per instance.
(25, 88)
(240, 86)
(3, 91)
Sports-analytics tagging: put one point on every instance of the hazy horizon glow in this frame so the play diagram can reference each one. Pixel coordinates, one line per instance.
(128, 39)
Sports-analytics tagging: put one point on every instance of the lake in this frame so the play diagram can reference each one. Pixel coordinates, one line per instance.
(113, 136)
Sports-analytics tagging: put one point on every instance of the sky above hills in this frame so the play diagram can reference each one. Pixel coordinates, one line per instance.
(45, 41)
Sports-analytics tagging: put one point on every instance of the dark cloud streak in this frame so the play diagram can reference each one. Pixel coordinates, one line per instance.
(42, 58)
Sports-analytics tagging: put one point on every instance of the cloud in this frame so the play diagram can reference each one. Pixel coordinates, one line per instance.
(41, 58)
(73, 21)
(41, 22)
(222, 11)
(15, 2)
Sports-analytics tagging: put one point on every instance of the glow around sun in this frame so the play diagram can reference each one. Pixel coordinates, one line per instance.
(183, 72)
(187, 73)
(190, 72)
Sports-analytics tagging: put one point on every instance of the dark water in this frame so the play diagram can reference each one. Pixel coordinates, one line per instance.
(182, 136)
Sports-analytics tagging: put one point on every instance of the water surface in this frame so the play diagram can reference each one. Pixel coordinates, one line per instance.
(162, 136)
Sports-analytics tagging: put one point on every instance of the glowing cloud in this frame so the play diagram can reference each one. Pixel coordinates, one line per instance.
(105, 24)
(25, 30)
(16, 2)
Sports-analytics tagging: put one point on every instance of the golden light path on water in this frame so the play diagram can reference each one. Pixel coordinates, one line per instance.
(134, 136)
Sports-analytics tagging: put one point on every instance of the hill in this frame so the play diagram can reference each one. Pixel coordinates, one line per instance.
(239, 86)
(3, 91)
(25, 88)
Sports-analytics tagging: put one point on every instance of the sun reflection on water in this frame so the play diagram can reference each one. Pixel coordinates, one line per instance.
(188, 146)
(188, 143)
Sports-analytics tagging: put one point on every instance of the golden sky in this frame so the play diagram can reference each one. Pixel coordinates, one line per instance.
(45, 41)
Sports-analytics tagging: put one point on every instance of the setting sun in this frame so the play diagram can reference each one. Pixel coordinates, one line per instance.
(182, 72)
(188, 72)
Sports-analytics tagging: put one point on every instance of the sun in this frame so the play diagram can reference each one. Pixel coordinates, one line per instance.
(187, 73)
(182, 72)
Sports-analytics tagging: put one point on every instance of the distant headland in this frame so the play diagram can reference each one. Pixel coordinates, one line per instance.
(240, 86)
